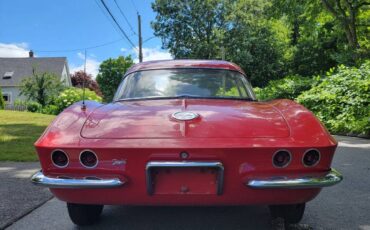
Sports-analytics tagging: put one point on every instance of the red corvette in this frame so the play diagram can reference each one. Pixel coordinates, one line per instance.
(186, 132)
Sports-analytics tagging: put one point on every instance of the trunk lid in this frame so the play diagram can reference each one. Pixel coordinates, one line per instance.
(217, 119)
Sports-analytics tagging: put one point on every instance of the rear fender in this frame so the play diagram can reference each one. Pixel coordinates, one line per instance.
(64, 131)
(303, 124)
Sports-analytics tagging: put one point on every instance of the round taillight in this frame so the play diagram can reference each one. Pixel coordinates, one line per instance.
(281, 158)
(88, 159)
(311, 157)
(59, 158)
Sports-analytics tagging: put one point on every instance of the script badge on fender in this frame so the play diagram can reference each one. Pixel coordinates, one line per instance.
(185, 116)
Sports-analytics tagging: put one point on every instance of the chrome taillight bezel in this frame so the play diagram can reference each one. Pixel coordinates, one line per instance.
(86, 166)
(304, 154)
(286, 164)
(52, 160)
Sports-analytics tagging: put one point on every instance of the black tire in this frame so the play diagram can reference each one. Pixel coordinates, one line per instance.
(84, 214)
(291, 213)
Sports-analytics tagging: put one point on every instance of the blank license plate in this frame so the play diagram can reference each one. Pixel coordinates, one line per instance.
(185, 180)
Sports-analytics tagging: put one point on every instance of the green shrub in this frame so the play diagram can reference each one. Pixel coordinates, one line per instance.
(19, 102)
(33, 107)
(341, 100)
(2, 103)
(72, 95)
(50, 109)
(289, 87)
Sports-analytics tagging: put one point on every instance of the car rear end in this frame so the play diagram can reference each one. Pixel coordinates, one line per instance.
(191, 175)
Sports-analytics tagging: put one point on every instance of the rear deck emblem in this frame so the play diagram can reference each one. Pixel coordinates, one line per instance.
(185, 116)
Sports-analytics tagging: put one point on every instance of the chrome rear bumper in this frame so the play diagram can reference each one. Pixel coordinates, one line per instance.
(40, 179)
(331, 178)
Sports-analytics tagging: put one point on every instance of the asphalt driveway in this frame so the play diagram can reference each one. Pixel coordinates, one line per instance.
(345, 206)
(18, 196)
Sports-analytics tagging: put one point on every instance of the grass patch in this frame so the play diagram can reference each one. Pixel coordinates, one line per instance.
(18, 133)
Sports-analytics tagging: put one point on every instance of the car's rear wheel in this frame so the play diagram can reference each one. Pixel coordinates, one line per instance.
(84, 214)
(291, 213)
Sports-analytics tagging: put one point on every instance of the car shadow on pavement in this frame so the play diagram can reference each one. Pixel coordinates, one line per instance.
(185, 218)
(243, 217)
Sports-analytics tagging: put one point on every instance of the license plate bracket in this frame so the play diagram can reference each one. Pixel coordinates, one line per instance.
(178, 177)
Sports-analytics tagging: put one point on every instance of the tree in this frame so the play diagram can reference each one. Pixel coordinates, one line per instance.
(346, 13)
(80, 78)
(296, 14)
(251, 43)
(212, 29)
(318, 41)
(190, 28)
(41, 87)
(110, 75)
(2, 103)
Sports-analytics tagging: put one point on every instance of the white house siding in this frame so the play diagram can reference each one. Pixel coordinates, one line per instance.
(21, 68)
(13, 92)
(65, 78)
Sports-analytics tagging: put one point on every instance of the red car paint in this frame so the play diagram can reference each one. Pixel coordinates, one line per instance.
(243, 135)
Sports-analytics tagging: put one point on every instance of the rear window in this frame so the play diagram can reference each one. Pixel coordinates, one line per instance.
(172, 83)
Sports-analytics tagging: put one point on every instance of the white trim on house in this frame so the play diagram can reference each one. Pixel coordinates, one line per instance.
(10, 97)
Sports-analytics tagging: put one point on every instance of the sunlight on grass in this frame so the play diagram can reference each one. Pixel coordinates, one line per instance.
(18, 132)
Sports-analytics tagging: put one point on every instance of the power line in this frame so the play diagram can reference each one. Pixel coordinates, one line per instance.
(133, 3)
(71, 50)
(124, 16)
(107, 16)
(114, 19)
(85, 48)
(150, 38)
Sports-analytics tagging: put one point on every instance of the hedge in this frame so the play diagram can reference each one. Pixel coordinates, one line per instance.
(341, 100)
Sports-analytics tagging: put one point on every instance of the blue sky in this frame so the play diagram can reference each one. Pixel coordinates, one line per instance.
(61, 25)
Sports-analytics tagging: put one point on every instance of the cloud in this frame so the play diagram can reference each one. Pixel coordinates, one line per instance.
(92, 65)
(14, 50)
(151, 54)
(81, 55)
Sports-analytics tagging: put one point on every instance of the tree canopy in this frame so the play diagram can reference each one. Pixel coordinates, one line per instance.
(268, 39)
(110, 75)
(80, 79)
(41, 87)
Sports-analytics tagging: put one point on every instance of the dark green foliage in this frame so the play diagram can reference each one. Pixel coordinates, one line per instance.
(289, 87)
(33, 107)
(110, 75)
(255, 55)
(190, 29)
(41, 87)
(2, 103)
(346, 14)
(213, 29)
(342, 100)
(268, 39)
(50, 109)
(316, 53)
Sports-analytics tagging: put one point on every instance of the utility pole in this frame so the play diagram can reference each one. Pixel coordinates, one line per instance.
(140, 39)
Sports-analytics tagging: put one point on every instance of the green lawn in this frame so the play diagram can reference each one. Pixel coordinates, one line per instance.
(18, 132)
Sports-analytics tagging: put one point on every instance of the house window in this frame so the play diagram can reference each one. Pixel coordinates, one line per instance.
(7, 98)
(8, 75)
